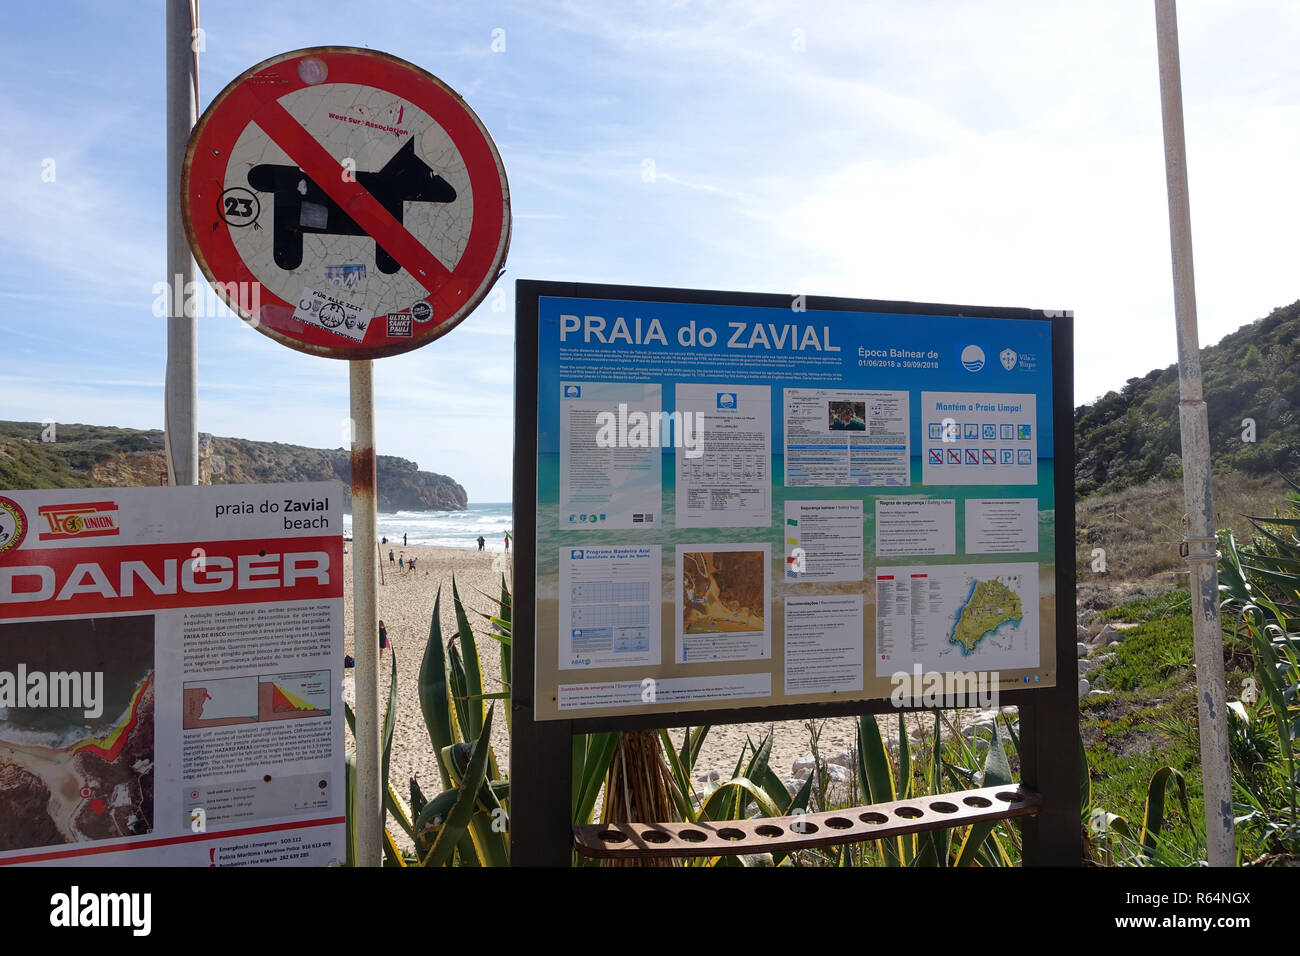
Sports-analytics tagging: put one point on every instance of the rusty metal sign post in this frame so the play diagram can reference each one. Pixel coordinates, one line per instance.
(369, 801)
(349, 205)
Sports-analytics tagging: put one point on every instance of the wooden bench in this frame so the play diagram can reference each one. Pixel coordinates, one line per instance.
(630, 841)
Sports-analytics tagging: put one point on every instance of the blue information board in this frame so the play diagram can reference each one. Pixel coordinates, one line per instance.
(748, 501)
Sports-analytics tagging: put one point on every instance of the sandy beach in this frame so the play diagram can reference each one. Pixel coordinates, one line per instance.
(406, 602)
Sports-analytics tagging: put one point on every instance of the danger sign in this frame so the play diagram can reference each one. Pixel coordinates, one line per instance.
(345, 202)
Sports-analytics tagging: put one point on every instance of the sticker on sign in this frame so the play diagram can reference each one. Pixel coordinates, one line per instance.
(351, 186)
(399, 325)
(332, 313)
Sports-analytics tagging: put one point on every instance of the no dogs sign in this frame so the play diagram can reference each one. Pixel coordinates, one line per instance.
(345, 202)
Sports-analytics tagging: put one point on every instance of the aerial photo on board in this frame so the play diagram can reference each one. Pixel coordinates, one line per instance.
(722, 591)
(76, 731)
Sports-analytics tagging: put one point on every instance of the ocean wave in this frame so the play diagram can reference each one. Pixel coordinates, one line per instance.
(446, 529)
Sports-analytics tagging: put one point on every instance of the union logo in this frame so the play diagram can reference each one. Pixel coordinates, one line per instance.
(87, 519)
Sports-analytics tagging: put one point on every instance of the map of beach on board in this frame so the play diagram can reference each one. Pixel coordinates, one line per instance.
(957, 617)
(989, 606)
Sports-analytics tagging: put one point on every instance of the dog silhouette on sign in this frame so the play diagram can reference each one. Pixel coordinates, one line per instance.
(303, 208)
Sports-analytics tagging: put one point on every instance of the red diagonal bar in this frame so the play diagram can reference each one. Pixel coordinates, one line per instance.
(326, 172)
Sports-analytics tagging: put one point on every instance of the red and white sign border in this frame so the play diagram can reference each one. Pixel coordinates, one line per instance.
(254, 96)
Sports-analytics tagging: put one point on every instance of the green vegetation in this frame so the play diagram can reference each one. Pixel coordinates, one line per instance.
(57, 455)
(1131, 436)
(33, 465)
(468, 822)
(1143, 737)
(33, 455)
(1260, 582)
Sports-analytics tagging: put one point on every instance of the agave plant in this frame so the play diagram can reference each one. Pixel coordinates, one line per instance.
(393, 803)
(468, 822)
(1260, 586)
(952, 764)
(1110, 840)
(755, 790)
(753, 784)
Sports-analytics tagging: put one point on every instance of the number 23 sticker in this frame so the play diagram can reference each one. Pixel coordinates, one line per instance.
(240, 207)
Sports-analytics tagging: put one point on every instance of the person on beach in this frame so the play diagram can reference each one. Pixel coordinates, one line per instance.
(403, 539)
(390, 556)
(385, 541)
(411, 565)
(481, 542)
(383, 638)
(401, 561)
(507, 542)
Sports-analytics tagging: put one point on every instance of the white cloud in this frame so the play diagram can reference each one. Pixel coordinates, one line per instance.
(1005, 153)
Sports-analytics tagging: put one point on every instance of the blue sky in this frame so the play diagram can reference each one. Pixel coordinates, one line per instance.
(1001, 153)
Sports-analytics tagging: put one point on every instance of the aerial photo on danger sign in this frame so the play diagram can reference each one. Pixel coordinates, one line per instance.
(77, 743)
(346, 202)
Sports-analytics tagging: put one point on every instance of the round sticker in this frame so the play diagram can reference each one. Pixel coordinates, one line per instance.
(328, 187)
(13, 525)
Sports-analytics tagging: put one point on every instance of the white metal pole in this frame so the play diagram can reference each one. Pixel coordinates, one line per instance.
(1199, 542)
(365, 616)
(180, 400)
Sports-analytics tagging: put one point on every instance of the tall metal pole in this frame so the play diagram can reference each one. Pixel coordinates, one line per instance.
(365, 616)
(181, 396)
(1198, 542)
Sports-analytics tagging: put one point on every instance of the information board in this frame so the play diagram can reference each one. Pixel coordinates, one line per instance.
(170, 672)
(754, 500)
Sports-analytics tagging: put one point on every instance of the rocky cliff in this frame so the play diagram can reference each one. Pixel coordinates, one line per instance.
(33, 455)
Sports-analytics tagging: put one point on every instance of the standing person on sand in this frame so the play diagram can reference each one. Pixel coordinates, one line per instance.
(481, 542)
(507, 542)
(410, 565)
(403, 539)
(383, 638)
(401, 561)
(390, 557)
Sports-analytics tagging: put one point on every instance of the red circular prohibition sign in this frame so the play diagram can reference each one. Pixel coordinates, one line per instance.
(216, 190)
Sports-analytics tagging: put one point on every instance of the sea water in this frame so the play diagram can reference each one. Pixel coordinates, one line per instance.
(447, 529)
